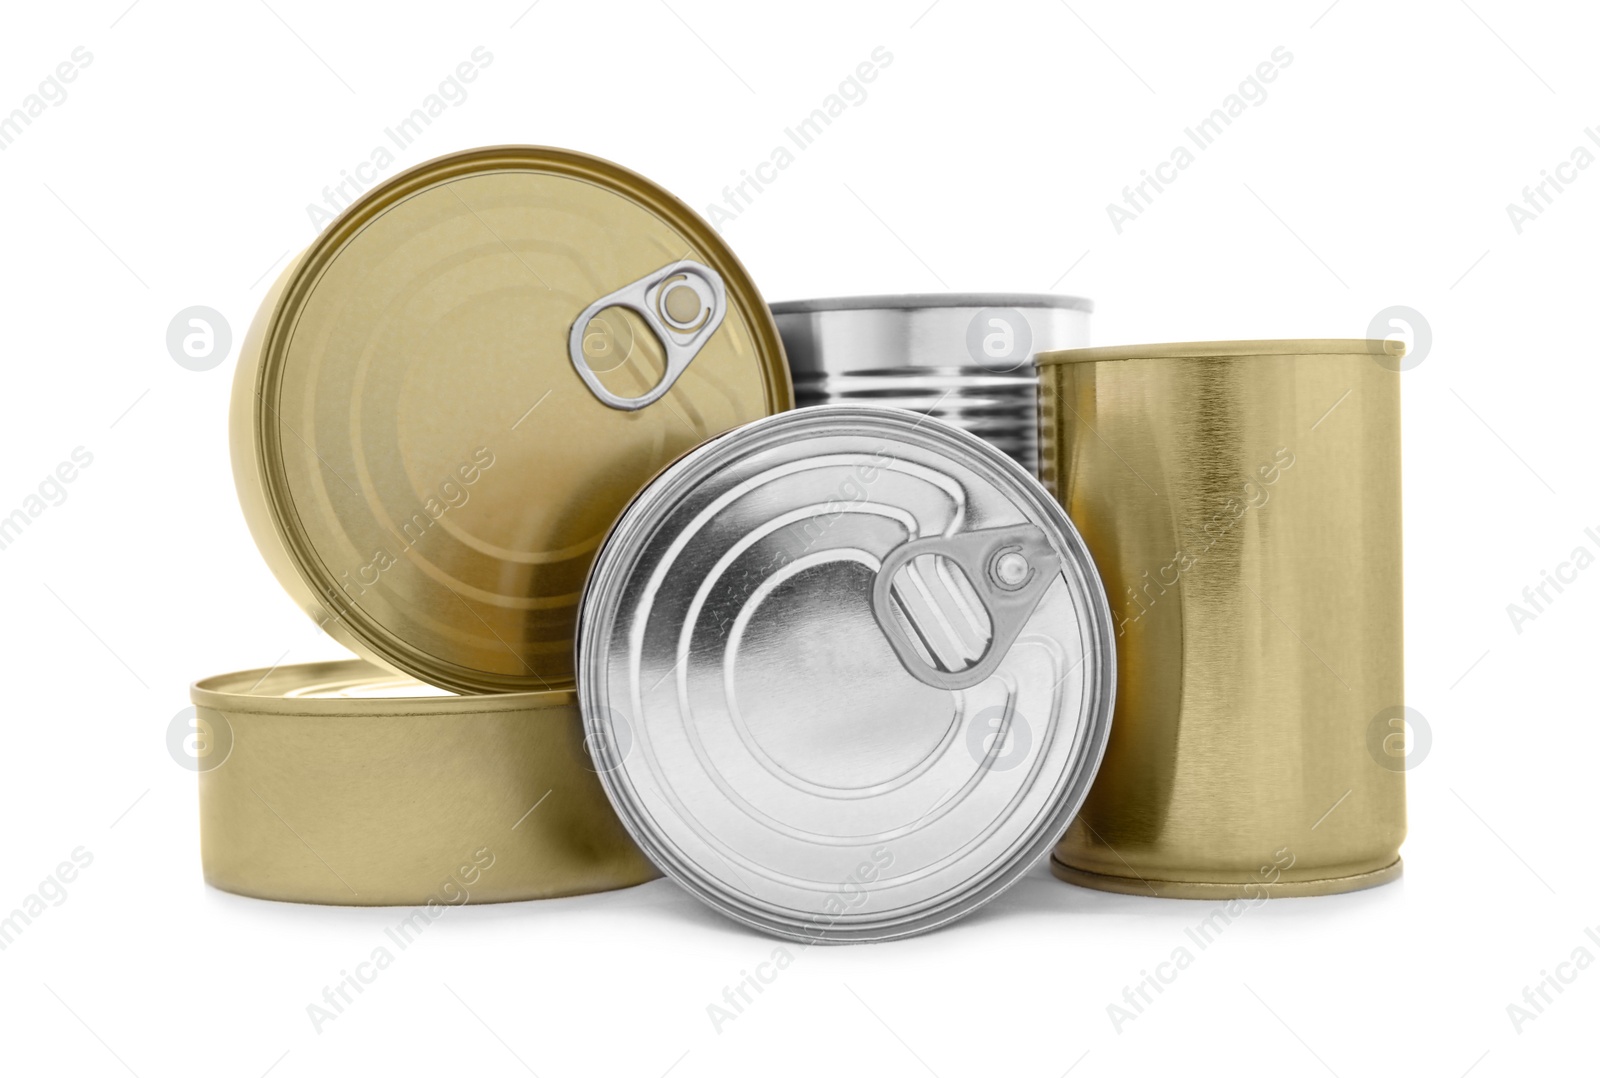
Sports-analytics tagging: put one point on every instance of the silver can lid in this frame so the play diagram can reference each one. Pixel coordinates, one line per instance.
(846, 672)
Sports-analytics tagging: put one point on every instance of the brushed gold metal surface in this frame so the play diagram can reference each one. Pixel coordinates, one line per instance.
(1262, 888)
(346, 784)
(1242, 502)
(419, 461)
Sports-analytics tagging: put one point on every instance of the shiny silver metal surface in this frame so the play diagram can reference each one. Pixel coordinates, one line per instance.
(964, 357)
(846, 673)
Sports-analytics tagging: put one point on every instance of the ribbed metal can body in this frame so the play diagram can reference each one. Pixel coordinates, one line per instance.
(965, 358)
(1242, 503)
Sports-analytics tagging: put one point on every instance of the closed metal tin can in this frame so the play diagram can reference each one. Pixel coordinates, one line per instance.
(846, 672)
(345, 784)
(965, 358)
(447, 398)
(1242, 501)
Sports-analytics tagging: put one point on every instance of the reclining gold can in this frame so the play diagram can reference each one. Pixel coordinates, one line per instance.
(1241, 500)
(447, 398)
(341, 783)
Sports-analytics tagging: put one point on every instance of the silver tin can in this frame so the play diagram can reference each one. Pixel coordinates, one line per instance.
(846, 673)
(964, 357)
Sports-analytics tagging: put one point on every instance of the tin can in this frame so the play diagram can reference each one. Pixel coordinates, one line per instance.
(965, 358)
(345, 784)
(447, 398)
(847, 672)
(1242, 501)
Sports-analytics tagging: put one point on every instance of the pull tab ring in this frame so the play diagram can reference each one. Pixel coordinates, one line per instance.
(925, 616)
(682, 303)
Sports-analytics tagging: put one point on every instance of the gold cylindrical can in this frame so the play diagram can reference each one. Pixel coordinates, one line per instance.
(1242, 502)
(344, 784)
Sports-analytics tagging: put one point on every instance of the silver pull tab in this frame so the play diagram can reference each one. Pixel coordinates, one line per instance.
(683, 304)
(952, 606)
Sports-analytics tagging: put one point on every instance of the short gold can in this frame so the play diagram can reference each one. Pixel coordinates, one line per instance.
(1241, 500)
(344, 784)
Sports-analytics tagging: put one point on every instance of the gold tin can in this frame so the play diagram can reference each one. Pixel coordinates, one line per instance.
(446, 400)
(1242, 502)
(345, 784)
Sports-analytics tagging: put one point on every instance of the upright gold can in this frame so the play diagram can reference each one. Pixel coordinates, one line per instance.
(1242, 502)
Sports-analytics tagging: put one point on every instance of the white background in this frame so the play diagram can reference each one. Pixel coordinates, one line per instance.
(1377, 172)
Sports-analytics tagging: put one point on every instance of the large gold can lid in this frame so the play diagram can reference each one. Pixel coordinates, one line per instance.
(449, 397)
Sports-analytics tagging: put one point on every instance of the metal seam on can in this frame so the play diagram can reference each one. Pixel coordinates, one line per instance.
(1159, 888)
(384, 800)
(911, 301)
(651, 515)
(1216, 350)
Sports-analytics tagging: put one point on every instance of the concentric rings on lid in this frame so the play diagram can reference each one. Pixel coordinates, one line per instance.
(847, 672)
(447, 399)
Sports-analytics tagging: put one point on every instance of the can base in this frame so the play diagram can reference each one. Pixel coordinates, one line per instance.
(1132, 885)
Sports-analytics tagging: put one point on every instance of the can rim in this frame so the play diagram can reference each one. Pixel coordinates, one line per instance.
(1353, 346)
(639, 521)
(320, 587)
(912, 301)
(241, 692)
